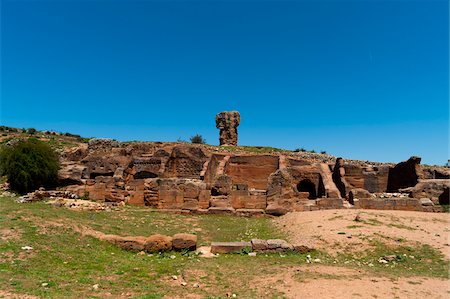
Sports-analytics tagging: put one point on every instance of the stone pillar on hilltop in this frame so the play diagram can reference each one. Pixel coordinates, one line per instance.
(228, 122)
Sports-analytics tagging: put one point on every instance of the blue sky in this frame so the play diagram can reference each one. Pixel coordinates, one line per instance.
(360, 79)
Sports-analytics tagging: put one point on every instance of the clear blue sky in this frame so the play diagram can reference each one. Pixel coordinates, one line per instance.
(364, 79)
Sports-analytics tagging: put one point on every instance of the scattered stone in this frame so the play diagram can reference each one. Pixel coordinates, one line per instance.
(27, 248)
(184, 241)
(44, 284)
(259, 245)
(252, 254)
(279, 244)
(174, 277)
(317, 261)
(158, 243)
(95, 287)
(205, 251)
(389, 258)
(184, 284)
(426, 202)
(229, 247)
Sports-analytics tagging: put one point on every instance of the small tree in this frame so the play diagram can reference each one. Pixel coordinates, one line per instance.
(31, 131)
(29, 165)
(198, 139)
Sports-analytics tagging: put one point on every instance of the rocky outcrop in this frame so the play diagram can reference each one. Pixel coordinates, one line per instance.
(338, 177)
(102, 144)
(404, 174)
(187, 178)
(228, 122)
(358, 193)
(434, 189)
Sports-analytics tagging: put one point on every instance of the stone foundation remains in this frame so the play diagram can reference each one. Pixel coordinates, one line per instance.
(202, 179)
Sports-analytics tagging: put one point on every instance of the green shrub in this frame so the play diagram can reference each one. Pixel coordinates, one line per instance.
(29, 165)
(31, 131)
(198, 139)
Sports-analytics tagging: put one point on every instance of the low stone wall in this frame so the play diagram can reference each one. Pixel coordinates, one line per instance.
(258, 245)
(154, 243)
(406, 204)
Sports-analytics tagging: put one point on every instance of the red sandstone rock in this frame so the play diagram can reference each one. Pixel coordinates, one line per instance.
(134, 244)
(436, 190)
(259, 245)
(228, 122)
(158, 243)
(184, 241)
(404, 174)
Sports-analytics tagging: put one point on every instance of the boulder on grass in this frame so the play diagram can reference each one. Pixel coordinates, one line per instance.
(184, 241)
(157, 243)
(134, 244)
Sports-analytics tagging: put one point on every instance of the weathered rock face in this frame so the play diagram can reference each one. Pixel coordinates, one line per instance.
(195, 178)
(434, 189)
(404, 174)
(338, 177)
(228, 122)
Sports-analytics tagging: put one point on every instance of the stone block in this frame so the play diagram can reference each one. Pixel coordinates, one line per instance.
(158, 243)
(184, 241)
(259, 245)
(426, 202)
(229, 247)
(250, 212)
(221, 201)
(134, 244)
(278, 244)
(217, 210)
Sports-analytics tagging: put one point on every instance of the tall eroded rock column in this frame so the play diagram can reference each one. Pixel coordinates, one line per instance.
(228, 122)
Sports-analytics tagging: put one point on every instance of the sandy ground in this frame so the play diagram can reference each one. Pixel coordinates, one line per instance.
(325, 230)
(326, 282)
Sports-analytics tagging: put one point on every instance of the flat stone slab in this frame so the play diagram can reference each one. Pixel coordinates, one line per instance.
(228, 247)
(250, 212)
(216, 210)
(259, 245)
(279, 244)
(426, 202)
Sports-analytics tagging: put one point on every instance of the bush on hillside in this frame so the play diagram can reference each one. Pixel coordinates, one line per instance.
(198, 139)
(31, 131)
(29, 165)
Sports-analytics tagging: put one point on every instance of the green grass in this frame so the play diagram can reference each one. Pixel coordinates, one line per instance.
(401, 226)
(71, 263)
(420, 260)
(254, 149)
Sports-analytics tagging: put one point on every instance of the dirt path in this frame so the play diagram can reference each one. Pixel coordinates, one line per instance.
(333, 230)
(325, 282)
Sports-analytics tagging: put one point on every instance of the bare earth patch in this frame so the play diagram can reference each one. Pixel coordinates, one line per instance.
(314, 281)
(5, 294)
(336, 230)
(7, 234)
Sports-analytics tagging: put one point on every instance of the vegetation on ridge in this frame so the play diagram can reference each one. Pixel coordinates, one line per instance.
(29, 165)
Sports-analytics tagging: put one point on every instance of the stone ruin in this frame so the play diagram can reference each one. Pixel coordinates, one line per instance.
(228, 122)
(196, 178)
